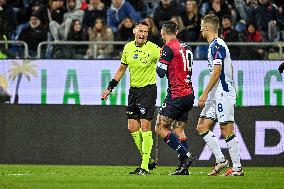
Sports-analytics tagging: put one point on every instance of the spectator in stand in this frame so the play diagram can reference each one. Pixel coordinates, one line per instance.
(268, 20)
(191, 22)
(125, 29)
(100, 32)
(21, 12)
(119, 10)
(165, 10)
(33, 34)
(204, 7)
(228, 34)
(153, 34)
(59, 30)
(252, 35)
(40, 7)
(190, 16)
(56, 24)
(84, 5)
(76, 33)
(179, 22)
(95, 9)
(217, 7)
(151, 5)
(73, 13)
(7, 19)
(54, 12)
(244, 8)
(139, 6)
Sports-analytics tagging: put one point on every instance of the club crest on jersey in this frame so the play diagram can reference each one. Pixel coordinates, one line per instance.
(135, 56)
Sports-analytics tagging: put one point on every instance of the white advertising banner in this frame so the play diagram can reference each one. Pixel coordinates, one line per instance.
(258, 83)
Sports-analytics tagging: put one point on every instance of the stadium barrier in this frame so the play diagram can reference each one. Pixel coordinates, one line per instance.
(98, 135)
(64, 43)
(15, 42)
(278, 45)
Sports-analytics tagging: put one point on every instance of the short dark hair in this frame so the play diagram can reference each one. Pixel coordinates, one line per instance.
(143, 22)
(227, 17)
(169, 27)
(212, 19)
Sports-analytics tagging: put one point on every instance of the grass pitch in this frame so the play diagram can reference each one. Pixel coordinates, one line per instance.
(70, 177)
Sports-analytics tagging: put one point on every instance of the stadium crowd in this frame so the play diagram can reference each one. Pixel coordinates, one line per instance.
(34, 21)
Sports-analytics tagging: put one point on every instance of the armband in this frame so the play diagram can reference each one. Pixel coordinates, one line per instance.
(112, 84)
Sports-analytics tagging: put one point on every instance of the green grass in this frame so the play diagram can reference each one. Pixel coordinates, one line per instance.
(69, 177)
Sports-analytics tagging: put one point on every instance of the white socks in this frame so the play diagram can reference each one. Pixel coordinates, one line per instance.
(234, 150)
(213, 144)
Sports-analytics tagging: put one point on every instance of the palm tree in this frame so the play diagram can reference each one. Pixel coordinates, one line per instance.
(3, 82)
(4, 95)
(19, 70)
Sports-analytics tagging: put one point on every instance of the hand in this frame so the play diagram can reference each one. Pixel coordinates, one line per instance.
(202, 100)
(105, 94)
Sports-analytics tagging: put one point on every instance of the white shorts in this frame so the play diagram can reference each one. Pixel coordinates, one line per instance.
(220, 109)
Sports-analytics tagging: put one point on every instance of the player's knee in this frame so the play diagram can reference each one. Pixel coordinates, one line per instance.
(225, 132)
(132, 129)
(226, 129)
(179, 131)
(145, 125)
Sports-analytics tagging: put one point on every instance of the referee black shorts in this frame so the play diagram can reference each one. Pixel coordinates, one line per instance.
(141, 102)
(177, 108)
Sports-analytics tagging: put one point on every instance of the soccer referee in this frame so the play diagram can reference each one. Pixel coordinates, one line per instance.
(141, 57)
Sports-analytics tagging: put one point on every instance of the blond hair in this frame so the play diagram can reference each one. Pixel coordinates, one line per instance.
(213, 20)
(195, 8)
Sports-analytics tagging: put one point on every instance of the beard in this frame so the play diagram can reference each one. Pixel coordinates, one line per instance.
(71, 7)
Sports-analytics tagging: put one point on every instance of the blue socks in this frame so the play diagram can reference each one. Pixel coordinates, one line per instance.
(184, 142)
(172, 140)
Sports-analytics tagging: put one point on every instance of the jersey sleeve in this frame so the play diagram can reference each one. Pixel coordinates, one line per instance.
(218, 52)
(124, 56)
(167, 55)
